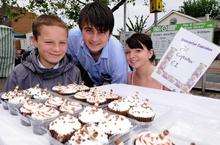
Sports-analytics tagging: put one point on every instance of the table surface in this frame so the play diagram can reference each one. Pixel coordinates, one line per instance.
(189, 118)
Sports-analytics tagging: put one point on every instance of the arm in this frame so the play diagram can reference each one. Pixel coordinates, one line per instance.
(119, 64)
(73, 44)
(11, 82)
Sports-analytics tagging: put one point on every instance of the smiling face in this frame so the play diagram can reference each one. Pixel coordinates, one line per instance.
(138, 57)
(94, 39)
(51, 44)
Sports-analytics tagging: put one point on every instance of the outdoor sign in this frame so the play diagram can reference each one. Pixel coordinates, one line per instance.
(156, 6)
(185, 61)
(164, 34)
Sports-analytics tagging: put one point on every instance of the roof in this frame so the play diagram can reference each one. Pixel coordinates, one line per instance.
(172, 12)
(178, 13)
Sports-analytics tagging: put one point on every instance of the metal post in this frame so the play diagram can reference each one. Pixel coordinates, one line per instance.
(125, 16)
(155, 19)
(205, 74)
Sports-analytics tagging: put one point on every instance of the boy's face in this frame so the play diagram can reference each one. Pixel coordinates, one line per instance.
(51, 44)
(94, 39)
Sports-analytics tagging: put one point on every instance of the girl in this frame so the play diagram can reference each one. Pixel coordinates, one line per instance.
(140, 56)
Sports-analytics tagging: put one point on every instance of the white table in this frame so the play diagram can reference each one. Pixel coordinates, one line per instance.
(188, 118)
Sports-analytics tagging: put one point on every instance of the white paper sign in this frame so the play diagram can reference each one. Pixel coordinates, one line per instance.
(185, 61)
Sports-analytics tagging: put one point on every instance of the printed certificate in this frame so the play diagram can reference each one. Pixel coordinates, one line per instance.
(185, 61)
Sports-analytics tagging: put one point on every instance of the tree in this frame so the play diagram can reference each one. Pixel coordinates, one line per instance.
(198, 8)
(138, 25)
(69, 9)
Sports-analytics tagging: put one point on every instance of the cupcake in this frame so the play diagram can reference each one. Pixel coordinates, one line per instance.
(82, 87)
(91, 115)
(16, 102)
(68, 90)
(110, 96)
(149, 138)
(63, 127)
(5, 96)
(27, 109)
(96, 97)
(115, 124)
(58, 88)
(88, 135)
(141, 113)
(55, 101)
(70, 107)
(82, 96)
(119, 106)
(42, 95)
(41, 118)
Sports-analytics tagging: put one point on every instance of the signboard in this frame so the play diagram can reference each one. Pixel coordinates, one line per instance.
(156, 6)
(185, 61)
(164, 34)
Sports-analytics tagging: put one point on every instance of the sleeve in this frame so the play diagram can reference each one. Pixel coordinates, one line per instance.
(72, 44)
(11, 82)
(119, 65)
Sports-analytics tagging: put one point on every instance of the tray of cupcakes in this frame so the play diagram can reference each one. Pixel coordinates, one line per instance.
(97, 126)
(39, 115)
(134, 108)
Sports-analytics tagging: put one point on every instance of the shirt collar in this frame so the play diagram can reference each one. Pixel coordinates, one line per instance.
(41, 65)
(104, 53)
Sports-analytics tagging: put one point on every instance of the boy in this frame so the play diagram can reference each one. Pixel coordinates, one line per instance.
(94, 49)
(48, 64)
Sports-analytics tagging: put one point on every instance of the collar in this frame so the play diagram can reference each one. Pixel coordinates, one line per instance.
(104, 53)
(42, 66)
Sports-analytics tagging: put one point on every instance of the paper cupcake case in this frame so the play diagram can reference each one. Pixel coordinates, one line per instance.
(4, 104)
(40, 126)
(13, 108)
(25, 120)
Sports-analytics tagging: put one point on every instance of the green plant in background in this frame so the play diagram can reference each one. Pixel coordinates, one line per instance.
(198, 8)
(138, 25)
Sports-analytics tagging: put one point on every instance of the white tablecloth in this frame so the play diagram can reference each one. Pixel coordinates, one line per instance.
(189, 118)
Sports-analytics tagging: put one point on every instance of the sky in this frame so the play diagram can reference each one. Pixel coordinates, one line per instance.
(140, 9)
(136, 10)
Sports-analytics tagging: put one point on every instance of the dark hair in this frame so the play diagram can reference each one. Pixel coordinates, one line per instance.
(137, 40)
(48, 20)
(97, 15)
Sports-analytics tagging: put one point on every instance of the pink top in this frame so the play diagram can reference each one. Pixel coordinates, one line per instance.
(131, 80)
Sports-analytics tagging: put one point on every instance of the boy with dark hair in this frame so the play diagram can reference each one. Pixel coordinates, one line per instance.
(94, 49)
(48, 64)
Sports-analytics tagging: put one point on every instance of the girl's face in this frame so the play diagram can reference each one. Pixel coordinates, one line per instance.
(138, 57)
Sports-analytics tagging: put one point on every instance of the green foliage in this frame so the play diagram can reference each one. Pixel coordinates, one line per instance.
(138, 25)
(67, 9)
(198, 8)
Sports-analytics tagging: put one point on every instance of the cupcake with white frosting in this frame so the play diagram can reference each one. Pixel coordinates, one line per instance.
(70, 107)
(55, 101)
(63, 127)
(119, 106)
(88, 135)
(41, 118)
(149, 138)
(141, 113)
(82, 96)
(115, 124)
(92, 115)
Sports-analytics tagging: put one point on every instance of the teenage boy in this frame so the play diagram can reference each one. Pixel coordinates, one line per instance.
(94, 49)
(48, 64)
